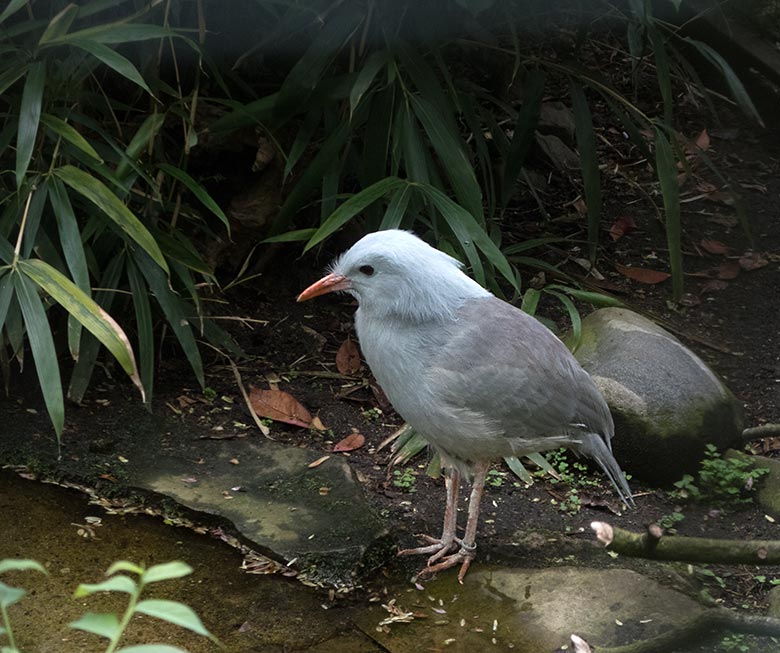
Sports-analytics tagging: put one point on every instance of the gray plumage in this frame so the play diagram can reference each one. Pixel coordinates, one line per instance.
(479, 378)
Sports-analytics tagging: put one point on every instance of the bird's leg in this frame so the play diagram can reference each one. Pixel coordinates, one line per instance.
(441, 546)
(468, 545)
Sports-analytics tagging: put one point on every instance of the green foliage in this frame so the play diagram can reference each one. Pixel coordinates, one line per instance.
(91, 194)
(726, 481)
(670, 521)
(405, 479)
(111, 626)
(420, 130)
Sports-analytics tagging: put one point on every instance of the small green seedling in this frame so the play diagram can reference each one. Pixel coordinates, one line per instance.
(405, 479)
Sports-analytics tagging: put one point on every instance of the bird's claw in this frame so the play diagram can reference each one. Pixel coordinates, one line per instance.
(438, 547)
(463, 557)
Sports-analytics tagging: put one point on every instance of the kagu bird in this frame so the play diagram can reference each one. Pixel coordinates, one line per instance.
(477, 377)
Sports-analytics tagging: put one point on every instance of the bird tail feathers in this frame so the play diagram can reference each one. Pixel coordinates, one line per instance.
(594, 446)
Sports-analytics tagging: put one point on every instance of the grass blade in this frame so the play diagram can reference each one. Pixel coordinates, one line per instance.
(591, 178)
(146, 132)
(662, 70)
(29, 118)
(44, 354)
(667, 176)
(99, 194)
(573, 342)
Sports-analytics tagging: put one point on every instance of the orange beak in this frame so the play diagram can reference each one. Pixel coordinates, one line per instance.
(330, 283)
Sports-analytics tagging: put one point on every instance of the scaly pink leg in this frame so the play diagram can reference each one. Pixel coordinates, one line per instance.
(441, 546)
(468, 545)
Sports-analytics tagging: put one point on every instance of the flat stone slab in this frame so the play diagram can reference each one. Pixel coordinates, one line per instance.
(532, 610)
(314, 518)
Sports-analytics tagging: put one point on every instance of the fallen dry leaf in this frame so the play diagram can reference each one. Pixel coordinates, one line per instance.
(643, 275)
(714, 246)
(318, 462)
(728, 270)
(752, 261)
(622, 226)
(348, 357)
(703, 141)
(279, 406)
(317, 425)
(353, 441)
(714, 284)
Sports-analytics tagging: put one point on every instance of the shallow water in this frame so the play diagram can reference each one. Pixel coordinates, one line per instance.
(246, 612)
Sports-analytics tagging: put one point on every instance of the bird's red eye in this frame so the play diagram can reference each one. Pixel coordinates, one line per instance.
(367, 270)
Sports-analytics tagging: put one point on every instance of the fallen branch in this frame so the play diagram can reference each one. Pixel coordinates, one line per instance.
(764, 431)
(655, 546)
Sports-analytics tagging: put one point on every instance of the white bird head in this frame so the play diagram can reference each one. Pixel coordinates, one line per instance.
(395, 274)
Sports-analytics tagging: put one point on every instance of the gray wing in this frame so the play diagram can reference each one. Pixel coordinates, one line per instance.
(503, 365)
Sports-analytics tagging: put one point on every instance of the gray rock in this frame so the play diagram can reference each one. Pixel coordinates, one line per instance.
(557, 152)
(556, 118)
(317, 519)
(533, 610)
(667, 404)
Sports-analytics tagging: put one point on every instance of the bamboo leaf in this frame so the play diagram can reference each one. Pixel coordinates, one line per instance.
(471, 236)
(573, 342)
(591, 178)
(174, 310)
(117, 32)
(144, 327)
(6, 293)
(519, 470)
(197, 190)
(311, 178)
(525, 127)
(396, 209)
(113, 60)
(352, 207)
(42, 347)
(146, 132)
(29, 117)
(91, 316)
(663, 73)
(736, 86)
(295, 236)
(667, 176)
(302, 139)
(66, 131)
(449, 149)
(368, 71)
(11, 8)
(60, 24)
(530, 301)
(90, 346)
(99, 194)
(9, 76)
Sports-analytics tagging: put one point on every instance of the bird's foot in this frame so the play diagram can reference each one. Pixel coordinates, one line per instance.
(462, 557)
(438, 547)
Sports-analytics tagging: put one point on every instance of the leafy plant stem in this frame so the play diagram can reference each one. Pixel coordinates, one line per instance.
(8, 632)
(129, 611)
